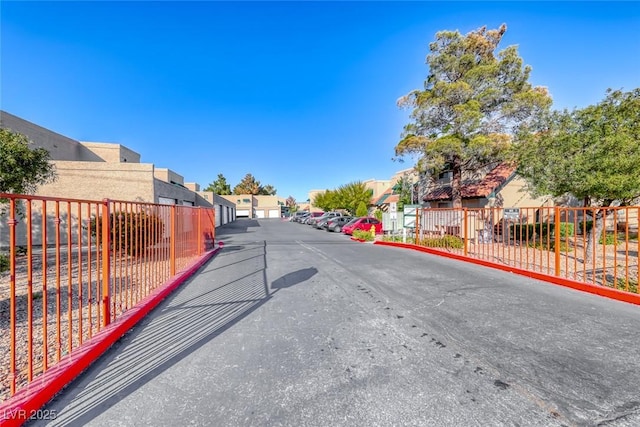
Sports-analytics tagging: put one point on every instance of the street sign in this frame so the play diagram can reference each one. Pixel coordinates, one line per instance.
(409, 217)
(410, 210)
(512, 214)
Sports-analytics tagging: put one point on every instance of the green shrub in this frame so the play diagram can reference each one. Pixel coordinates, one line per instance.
(396, 239)
(363, 235)
(540, 230)
(452, 242)
(608, 239)
(621, 285)
(131, 232)
(4, 262)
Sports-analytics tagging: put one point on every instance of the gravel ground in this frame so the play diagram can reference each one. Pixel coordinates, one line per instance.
(63, 334)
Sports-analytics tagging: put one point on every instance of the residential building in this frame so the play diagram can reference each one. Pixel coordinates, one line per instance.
(101, 170)
(498, 186)
(225, 209)
(106, 170)
(257, 206)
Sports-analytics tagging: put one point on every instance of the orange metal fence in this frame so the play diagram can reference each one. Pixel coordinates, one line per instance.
(75, 266)
(558, 241)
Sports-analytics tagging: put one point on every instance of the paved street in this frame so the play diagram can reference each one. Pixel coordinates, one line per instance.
(292, 326)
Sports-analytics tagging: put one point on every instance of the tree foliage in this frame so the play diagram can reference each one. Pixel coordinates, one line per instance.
(327, 200)
(403, 189)
(473, 103)
(250, 185)
(22, 169)
(352, 194)
(291, 203)
(591, 153)
(219, 186)
(347, 197)
(268, 190)
(361, 210)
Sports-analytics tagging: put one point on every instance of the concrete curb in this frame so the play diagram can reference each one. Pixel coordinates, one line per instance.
(573, 284)
(26, 402)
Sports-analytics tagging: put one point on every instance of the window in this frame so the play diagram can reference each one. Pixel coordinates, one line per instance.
(447, 172)
(246, 200)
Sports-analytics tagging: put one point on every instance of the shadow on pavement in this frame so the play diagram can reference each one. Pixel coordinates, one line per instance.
(239, 226)
(197, 313)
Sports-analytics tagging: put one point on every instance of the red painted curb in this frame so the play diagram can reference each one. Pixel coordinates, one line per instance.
(573, 284)
(26, 402)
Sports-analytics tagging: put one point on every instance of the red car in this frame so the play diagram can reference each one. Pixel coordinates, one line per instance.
(364, 223)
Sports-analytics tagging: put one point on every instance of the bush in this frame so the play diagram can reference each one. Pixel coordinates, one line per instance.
(131, 232)
(4, 263)
(621, 285)
(363, 235)
(396, 239)
(452, 242)
(540, 230)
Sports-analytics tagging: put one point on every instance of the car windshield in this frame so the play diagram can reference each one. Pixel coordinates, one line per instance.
(354, 220)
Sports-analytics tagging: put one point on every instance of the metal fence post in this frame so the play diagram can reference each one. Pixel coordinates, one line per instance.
(556, 232)
(466, 232)
(12, 223)
(106, 263)
(417, 237)
(199, 231)
(172, 242)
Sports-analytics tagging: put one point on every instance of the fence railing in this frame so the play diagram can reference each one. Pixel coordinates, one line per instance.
(75, 266)
(590, 245)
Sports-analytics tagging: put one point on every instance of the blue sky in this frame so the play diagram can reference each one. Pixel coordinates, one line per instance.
(300, 94)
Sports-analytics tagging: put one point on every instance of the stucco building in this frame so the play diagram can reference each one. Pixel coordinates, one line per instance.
(257, 206)
(102, 170)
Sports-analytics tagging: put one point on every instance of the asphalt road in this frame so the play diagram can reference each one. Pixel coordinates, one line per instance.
(293, 326)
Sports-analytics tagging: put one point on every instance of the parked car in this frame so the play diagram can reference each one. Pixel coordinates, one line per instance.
(363, 223)
(312, 215)
(320, 223)
(323, 217)
(299, 216)
(335, 224)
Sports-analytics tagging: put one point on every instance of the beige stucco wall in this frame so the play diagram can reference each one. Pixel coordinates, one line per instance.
(112, 152)
(167, 175)
(59, 146)
(515, 194)
(410, 174)
(378, 186)
(192, 186)
(100, 180)
(254, 203)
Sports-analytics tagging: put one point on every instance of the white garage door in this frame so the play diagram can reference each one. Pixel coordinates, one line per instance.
(242, 213)
(218, 219)
(259, 213)
(274, 213)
